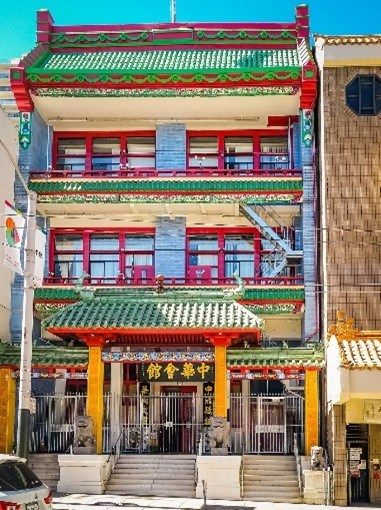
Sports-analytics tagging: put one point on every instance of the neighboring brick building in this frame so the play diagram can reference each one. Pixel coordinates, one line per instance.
(350, 162)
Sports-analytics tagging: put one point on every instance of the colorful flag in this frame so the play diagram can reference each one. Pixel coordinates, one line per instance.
(14, 229)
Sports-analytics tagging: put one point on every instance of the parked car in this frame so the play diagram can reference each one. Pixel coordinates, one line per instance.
(20, 488)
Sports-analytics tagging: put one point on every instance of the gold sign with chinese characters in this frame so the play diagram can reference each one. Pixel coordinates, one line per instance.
(178, 372)
(372, 411)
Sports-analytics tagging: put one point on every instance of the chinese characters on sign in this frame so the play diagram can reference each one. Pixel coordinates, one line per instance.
(184, 372)
(208, 403)
(144, 392)
(372, 411)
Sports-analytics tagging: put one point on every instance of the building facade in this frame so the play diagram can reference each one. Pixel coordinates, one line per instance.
(350, 152)
(174, 167)
(7, 100)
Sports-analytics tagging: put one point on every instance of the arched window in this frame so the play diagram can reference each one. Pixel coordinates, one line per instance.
(363, 94)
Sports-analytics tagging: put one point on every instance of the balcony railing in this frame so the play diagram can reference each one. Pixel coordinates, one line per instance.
(138, 173)
(186, 281)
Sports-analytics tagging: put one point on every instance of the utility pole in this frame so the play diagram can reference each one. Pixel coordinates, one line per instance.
(25, 387)
(173, 11)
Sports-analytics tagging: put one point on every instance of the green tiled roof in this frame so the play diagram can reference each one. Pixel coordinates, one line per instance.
(293, 357)
(10, 355)
(154, 313)
(170, 61)
(55, 293)
(160, 185)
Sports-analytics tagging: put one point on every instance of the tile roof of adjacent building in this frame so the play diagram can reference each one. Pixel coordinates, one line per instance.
(337, 40)
(45, 356)
(153, 314)
(360, 353)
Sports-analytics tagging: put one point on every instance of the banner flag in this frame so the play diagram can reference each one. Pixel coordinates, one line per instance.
(14, 229)
(40, 256)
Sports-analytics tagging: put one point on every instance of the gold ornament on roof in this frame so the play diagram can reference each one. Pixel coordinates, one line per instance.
(343, 329)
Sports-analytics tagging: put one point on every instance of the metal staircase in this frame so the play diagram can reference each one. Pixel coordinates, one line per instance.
(281, 246)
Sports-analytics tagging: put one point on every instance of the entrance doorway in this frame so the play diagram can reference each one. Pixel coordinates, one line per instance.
(178, 418)
(357, 443)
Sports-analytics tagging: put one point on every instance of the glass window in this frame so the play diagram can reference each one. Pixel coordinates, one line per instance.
(139, 262)
(15, 476)
(238, 152)
(203, 256)
(104, 258)
(68, 257)
(106, 154)
(141, 151)
(71, 154)
(363, 94)
(203, 152)
(274, 153)
(239, 255)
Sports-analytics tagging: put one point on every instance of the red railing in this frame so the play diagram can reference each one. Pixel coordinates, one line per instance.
(150, 172)
(120, 281)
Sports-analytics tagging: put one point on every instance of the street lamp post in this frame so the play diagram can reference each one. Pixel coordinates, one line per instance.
(23, 426)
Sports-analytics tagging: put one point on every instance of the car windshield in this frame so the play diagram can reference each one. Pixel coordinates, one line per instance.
(15, 476)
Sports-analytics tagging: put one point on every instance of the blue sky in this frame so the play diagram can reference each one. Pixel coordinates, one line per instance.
(18, 20)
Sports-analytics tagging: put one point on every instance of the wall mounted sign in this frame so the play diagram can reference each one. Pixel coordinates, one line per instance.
(53, 375)
(178, 372)
(157, 357)
(208, 403)
(262, 376)
(372, 411)
(25, 129)
(144, 390)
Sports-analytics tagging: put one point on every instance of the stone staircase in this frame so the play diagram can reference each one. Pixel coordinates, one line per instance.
(270, 478)
(154, 475)
(46, 467)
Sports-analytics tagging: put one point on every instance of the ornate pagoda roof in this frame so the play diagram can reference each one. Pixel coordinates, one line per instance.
(157, 313)
(45, 356)
(172, 56)
(288, 357)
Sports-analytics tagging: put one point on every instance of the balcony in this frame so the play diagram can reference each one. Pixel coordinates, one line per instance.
(122, 281)
(144, 173)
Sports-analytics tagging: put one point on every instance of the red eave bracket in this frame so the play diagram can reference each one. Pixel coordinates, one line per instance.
(309, 87)
(20, 89)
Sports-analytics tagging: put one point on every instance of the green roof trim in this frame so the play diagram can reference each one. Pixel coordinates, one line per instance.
(152, 314)
(42, 356)
(217, 198)
(290, 357)
(170, 61)
(178, 36)
(263, 293)
(162, 92)
(167, 67)
(164, 184)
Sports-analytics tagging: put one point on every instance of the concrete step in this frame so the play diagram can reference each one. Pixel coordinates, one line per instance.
(271, 499)
(270, 483)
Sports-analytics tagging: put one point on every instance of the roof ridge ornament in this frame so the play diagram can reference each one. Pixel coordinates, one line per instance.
(238, 292)
(343, 329)
(85, 293)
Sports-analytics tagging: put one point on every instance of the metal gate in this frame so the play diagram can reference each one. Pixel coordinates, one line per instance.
(164, 423)
(266, 424)
(53, 420)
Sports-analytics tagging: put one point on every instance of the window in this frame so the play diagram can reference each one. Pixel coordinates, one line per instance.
(71, 154)
(104, 258)
(203, 257)
(139, 259)
(68, 258)
(106, 154)
(140, 151)
(274, 153)
(16, 476)
(239, 255)
(239, 152)
(103, 155)
(203, 152)
(363, 94)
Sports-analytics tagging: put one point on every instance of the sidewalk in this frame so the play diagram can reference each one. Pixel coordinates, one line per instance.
(105, 502)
